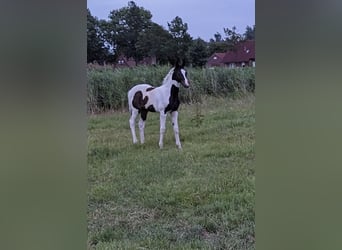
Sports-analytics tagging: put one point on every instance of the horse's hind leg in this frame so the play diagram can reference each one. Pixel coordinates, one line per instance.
(134, 114)
(174, 119)
(141, 130)
(143, 114)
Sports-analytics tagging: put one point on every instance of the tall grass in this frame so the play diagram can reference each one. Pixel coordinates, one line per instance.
(107, 88)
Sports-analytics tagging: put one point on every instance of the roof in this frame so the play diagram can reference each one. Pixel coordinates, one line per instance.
(243, 52)
(216, 59)
(123, 61)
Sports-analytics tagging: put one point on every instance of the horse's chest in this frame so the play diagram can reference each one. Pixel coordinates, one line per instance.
(173, 100)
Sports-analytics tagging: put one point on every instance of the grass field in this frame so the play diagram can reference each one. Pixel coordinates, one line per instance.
(202, 197)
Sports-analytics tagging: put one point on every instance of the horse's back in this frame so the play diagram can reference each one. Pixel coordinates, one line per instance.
(139, 87)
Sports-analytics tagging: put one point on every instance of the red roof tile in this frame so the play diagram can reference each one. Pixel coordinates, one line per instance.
(216, 59)
(243, 52)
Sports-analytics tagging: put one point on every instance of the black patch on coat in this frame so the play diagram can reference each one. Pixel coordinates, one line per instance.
(143, 114)
(138, 102)
(150, 88)
(151, 108)
(143, 111)
(173, 100)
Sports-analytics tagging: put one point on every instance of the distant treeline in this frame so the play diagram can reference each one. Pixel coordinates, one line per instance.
(130, 32)
(107, 88)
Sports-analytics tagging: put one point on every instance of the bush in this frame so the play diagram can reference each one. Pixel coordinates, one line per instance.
(107, 88)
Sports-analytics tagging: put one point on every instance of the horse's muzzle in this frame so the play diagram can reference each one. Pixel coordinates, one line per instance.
(185, 85)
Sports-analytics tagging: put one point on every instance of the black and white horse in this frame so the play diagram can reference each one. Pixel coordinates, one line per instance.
(163, 99)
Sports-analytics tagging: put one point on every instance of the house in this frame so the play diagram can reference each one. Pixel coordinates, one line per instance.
(242, 55)
(124, 62)
(151, 60)
(216, 60)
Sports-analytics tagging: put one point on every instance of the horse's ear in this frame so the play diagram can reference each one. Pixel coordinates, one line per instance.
(171, 60)
(177, 63)
(183, 63)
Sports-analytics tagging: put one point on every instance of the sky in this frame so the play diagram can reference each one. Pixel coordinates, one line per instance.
(204, 17)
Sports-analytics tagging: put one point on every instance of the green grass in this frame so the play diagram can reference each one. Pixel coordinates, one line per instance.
(202, 197)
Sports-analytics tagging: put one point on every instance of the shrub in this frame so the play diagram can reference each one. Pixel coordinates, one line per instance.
(107, 87)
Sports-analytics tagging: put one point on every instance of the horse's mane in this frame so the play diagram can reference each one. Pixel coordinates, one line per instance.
(168, 76)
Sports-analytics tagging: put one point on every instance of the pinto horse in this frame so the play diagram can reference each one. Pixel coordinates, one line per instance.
(164, 99)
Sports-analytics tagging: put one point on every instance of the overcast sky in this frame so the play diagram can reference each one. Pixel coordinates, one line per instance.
(204, 17)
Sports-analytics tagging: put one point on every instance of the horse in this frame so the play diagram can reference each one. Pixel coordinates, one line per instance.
(144, 98)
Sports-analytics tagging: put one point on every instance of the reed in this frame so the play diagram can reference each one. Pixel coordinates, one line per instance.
(107, 88)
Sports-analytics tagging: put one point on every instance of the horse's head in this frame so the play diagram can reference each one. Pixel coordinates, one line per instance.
(180, 75)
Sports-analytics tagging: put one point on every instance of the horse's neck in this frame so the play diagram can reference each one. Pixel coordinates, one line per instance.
(167, 78)
(168, 82)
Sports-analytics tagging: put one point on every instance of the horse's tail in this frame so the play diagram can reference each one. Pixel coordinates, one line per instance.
(129, 99)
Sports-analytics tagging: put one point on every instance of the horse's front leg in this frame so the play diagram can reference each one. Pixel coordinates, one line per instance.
(132, 125)
(174, 119)
(162, 128)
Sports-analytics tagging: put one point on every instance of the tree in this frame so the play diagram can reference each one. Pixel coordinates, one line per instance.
(96, 46)
(220, 44)
(154, 42)
(125, 27)
(218, 37)
(181, 40)
(249, 33)
(217, 44)
(198, 52)
(214, 47)
(232, 37)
